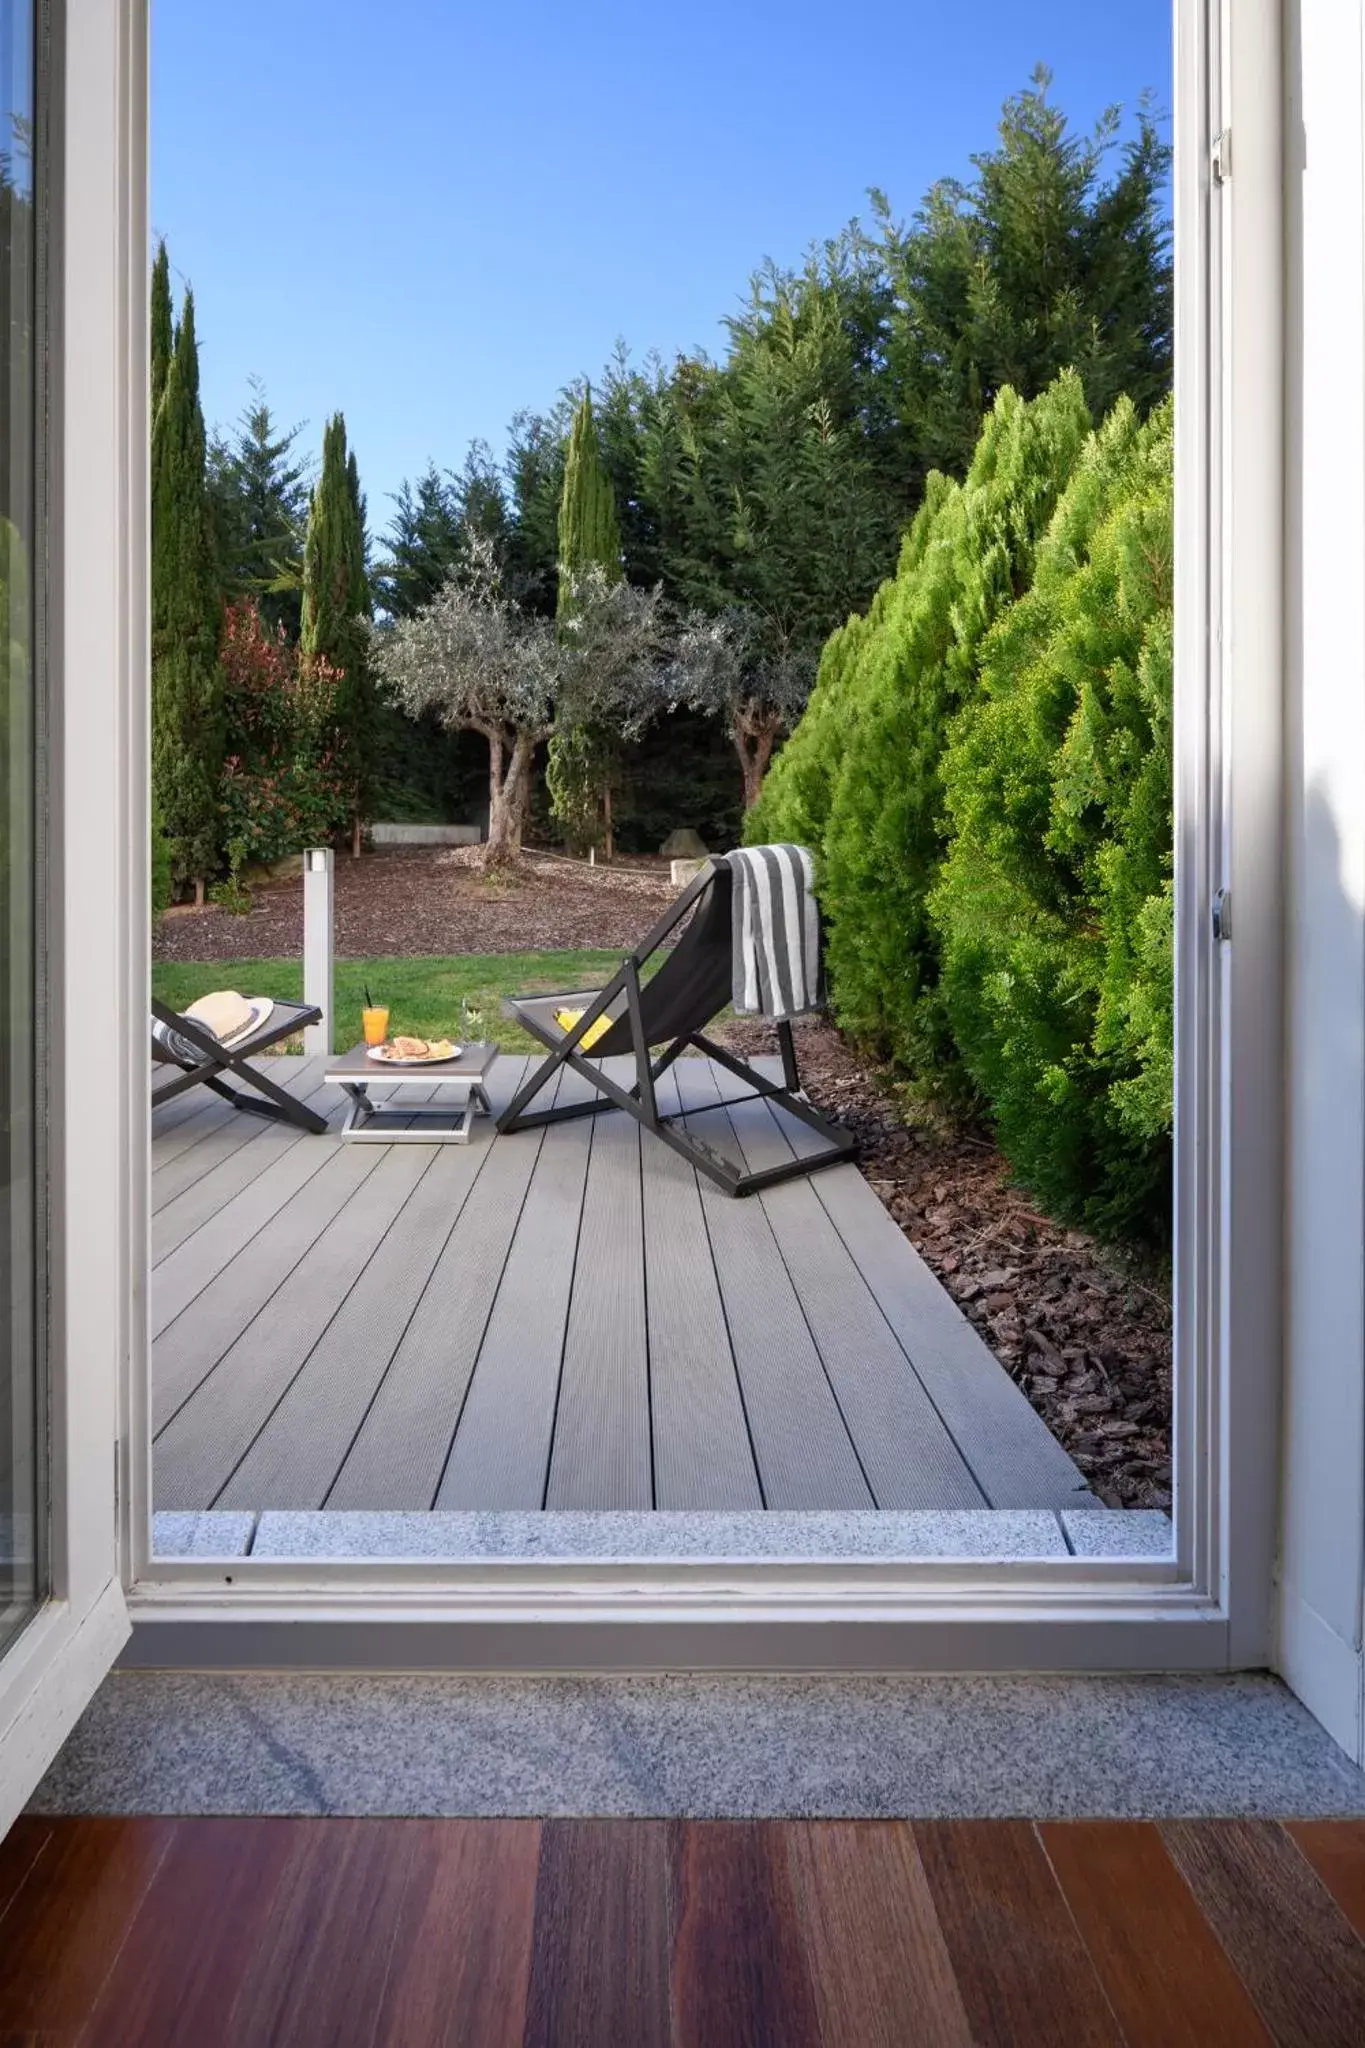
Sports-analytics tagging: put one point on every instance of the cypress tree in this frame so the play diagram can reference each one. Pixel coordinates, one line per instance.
(186, 605)
(336, 605)
(583, 761)
(162, 324)
(589, 533)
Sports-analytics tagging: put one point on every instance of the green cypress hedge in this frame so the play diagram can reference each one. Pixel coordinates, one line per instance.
(984, 774)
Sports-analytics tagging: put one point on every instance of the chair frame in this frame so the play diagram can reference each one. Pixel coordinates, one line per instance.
(640, 1100)
(271, 1100)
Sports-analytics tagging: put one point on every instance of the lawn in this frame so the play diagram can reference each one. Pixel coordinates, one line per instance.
(423, 995)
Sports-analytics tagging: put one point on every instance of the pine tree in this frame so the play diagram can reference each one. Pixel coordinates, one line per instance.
(162, 324)
(259, 497)
(186, 606)
(336, 606)
(584, 761)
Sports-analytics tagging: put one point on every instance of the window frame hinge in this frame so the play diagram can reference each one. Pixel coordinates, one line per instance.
(1220, 156)
(1222, 916)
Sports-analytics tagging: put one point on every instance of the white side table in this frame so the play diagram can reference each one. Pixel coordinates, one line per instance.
(392, 1121)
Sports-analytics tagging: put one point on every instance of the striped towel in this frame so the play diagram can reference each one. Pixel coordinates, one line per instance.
(172, 1048)
(777, 968)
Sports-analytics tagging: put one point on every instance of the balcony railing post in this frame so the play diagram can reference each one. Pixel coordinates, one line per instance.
(317, 945)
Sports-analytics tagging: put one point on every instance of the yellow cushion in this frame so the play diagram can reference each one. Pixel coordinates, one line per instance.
(566, 1019)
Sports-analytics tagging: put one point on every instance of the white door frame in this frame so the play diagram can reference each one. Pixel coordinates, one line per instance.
(1210, 1608)
(95, 454)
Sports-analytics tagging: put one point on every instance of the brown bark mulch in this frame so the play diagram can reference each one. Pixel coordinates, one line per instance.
(436, 901)
(1086, 1338)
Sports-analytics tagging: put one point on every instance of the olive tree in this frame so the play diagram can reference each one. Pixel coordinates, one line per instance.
(755, 680)
(480, 664)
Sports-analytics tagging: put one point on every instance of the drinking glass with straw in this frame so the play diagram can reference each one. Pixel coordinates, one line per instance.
(374, 1019)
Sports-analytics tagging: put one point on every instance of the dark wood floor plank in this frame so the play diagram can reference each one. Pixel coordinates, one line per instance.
(319, 1972)
(19, 1851)
(879, 1965)
(68, 1920)
(462, 1963)
(1162, 1967)
(600, 1958)
(1024, 1973)
(1336, 1850)
(203, 1917)
(740, 1966)
(1295, 1951)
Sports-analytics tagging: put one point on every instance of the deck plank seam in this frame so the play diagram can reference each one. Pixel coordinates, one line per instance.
(249, 1137)
(725, 1317)
(796, 1293)
(649, 1349)
(592, 1122)
(488, 1317)
(323, 1158)
(336, 1311)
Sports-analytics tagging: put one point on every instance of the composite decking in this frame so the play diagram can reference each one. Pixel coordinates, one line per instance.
(565, 1317)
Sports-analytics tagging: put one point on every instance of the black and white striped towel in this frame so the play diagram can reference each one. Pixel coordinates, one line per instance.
(777, 968)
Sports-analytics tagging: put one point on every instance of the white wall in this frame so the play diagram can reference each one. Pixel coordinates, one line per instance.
(1323, 1494)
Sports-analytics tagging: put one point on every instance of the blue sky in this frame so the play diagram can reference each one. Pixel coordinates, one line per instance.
(428, 213)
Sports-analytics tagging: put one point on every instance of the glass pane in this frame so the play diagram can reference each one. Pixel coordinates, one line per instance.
(20, 1436)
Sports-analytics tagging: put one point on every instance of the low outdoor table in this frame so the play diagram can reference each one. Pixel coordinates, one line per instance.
(393, 1121)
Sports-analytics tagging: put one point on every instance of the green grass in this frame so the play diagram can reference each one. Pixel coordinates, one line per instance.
(423, 995)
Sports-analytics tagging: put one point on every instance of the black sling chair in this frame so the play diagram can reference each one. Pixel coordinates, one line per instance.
(197, 1057)
(671, 1010)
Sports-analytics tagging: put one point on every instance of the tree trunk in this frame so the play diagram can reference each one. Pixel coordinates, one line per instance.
(199, 892)
(607, 847)
(754, 743)
(355, 836)
(509, 792)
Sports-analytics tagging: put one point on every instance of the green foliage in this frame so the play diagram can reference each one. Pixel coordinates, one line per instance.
(281, 789)
(1040, 263)
(161, 325)
(884, 835)
(336, 610)
(589, 535)
(258, 491)
(1054, 907)
(186, 722)
(162, 879)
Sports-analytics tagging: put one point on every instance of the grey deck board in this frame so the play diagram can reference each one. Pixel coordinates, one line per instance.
(304, 1445)
(601, 1455)
(566, 1317)
(702, 1455)
(200, 1447)
(908, 1455)
(805, 1455)
(501, 1454)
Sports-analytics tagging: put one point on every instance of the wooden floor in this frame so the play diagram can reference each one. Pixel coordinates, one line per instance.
(561, 1318)
(202, 1932)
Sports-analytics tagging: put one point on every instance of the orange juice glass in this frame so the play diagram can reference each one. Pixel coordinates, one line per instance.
(376, 1024)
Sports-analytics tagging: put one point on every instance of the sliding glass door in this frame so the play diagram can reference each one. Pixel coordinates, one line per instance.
(22, 1458)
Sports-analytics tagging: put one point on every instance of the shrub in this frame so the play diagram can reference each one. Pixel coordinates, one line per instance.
(1053, 909)
(282, 788)
(884, 836)
(162, 887)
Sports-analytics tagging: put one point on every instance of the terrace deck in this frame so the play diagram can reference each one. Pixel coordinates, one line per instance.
(560, 1318)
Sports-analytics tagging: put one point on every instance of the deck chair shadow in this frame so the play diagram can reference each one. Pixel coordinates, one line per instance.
(200, 1059)
(671, 1010)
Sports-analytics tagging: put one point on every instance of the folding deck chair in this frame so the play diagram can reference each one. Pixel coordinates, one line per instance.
(198, 1057)
(671, 1010)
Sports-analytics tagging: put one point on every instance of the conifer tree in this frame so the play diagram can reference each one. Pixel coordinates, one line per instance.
(258, 493)
(162, 324)
(336, 607)
(584, 758)
(186, 603)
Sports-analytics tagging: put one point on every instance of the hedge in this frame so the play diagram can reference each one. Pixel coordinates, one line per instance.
(984, 773)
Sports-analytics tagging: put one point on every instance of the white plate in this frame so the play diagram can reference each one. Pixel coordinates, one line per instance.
(384, 1058)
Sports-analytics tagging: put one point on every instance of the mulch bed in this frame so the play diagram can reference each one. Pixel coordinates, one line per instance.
(436, 901)
(1087, 1339)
